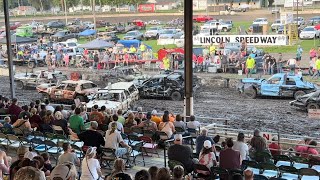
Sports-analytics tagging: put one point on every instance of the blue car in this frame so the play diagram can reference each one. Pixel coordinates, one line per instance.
(279, 85)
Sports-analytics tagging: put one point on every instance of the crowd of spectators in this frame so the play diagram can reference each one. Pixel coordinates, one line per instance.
(106, 130)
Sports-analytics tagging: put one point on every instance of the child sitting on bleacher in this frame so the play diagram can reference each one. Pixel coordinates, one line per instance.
(6, 123)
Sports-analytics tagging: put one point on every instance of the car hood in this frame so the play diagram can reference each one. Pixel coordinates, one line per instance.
(166, 35)
(22, 76)
(310, 85)
(306, 97)
(106, 103)
(252, 80)
(307, 32)
(151, 31)
(128, 37)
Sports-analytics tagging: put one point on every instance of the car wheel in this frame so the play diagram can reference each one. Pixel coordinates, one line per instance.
(250, 93)
(157, 36)
(19, 85)
(81, 98)
(31, 64)
(298, 94)
(312, 106)
(176, 96)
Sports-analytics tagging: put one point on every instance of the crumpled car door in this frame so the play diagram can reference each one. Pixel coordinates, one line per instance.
(270, 89)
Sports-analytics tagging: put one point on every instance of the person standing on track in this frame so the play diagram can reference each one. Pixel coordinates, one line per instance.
(250, 64)
(317, 68)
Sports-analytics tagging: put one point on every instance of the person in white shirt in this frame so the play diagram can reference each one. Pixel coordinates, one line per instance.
(90, 167)
(119, 125)
(193, 124)
(242, 147)
(48, 107)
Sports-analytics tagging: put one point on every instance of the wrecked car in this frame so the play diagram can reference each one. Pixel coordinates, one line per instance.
(169, 86)
(68, 90)
(278, 85)
(308, 101)
(32, 80)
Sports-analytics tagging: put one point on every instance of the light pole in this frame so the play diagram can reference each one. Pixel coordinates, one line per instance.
(65, 11)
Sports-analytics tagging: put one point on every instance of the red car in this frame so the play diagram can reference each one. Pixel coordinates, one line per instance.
(317, 27)
(201, 19)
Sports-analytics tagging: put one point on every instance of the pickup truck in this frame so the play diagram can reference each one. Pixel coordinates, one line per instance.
(220, 26)
(278, 85)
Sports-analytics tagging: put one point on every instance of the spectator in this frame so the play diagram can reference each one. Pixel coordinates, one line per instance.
(68, 155)
(148, 124)
(118, 171)
(95, 115)
(171, 116)
(258, 143)
(250, 65)
(25, 110)
(22, 126)
(14, 110)
(91, 169)
(163, 174)
(139, 116)
(120, 117)
(130, 121)
(310, 150)
(61, 122)
(28, 173)
(181, 153)
(76, 122)
(155, 118)
(167, 127)
(248, 174)
(179, 123)
(201, 139)
(15, 165)
(302, 148)
(35, 119)
(65, 171)
(242, 147)
(3, 109)
(43, 110)
(4, 163)
(47, 120)
(113, 139)
(48, 106)
(229, 158)
(207, 157)
(274, 147)
(41, 165)
(66, 114)
(56, 109)
(216, 139)
(142, 175)
(317, 68)
(292, 65)
(91, 137)
(192, 124)
(7, 125)
(119, 125)
(47, 163)
(178, 173)
(153, 170)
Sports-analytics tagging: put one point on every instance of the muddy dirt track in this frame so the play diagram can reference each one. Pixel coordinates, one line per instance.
(213, 100)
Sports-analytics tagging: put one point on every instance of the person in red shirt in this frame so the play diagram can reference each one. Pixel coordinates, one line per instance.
(14, 110)
(274, 147)
(310, 150)
(97, 116)
(302, 148)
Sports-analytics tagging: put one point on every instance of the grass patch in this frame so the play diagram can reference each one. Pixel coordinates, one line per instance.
(305, 44)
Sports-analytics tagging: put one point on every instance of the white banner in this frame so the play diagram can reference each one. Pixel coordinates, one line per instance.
(258, 40)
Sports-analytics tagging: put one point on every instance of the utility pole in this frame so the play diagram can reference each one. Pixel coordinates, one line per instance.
(9, 49)
(94, 13)
(65, 11)
(188, 71)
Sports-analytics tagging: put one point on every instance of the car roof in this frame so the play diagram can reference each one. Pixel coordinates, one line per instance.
(120, 85)
(170, 76)
(309, 27)
(76, 82)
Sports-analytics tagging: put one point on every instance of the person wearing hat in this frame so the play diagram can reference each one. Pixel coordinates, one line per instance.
(65, 171)
(181, 153)
(90, 168)
(155, 118)
(22, 126)
(207, 157)
(91, 137)
(274, 147)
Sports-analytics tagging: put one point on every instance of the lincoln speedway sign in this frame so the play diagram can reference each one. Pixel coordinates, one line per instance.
(260, 40)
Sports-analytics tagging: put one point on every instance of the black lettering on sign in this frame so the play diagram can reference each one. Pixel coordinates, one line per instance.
(274, 40)
(237, 39)
(227, 39)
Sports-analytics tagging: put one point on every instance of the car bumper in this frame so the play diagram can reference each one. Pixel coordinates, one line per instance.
(297, 104)
(307, 36)
(150, 35)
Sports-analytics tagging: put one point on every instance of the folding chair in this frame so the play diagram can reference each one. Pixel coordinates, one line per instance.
(57, 129)
(133, 139)
(259, 177)
(202, 172)
(288, 172)
(136, 151)
(52, 149)
(280, 160)
(308, 173)
(4, 141)
(149, 144)
(148, 133)
(108, 155)
(262, 156)
(223, 173)
(268, 169)
(38, 145)
(179, 130)
(300, 162)
(136, 130)
(13, 141)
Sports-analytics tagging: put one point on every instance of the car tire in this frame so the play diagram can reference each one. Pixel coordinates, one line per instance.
(31, 64)
(250, 93)
(312, 106)
(176, 96)
(81, 98)
(157, 36)
(297, 94)
(19, 85)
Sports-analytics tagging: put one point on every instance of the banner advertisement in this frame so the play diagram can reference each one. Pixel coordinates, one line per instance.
(146, 8)
(258, 40)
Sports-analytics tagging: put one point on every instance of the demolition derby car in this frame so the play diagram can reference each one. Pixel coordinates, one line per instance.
(308, 101)
(278, 85)
(32, 80)
(68, 90)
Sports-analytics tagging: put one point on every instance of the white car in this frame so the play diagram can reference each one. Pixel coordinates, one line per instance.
(154, 22)
(111, 99)
(260, 21)
(309, 32)
(300, 21)
(129, 88)
(276, 24)
(221, 26)
(153, 32)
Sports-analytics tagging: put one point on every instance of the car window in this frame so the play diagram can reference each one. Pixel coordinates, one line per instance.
(88, 86)
(275, 80)
(290, 81)
(126, 93)
(71, 87)
(132, 89)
